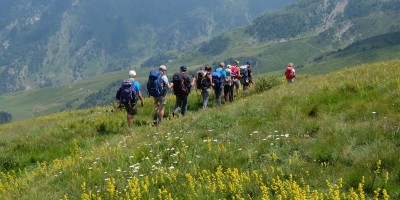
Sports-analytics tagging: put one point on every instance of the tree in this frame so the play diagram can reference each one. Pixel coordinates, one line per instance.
(5, 117)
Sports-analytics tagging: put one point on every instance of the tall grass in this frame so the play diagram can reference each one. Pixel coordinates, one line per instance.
(323, 137)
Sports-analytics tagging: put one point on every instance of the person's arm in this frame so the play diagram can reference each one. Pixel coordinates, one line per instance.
(137, 88)
(141, 98)
(210, 78)
(165, 79)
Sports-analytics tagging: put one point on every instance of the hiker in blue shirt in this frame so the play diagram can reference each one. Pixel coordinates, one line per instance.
(218, 77)
(131, 108)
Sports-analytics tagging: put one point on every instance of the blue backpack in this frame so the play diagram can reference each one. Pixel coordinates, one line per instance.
(244, 71)
(126, 94)
(155, 85)
(218, 80)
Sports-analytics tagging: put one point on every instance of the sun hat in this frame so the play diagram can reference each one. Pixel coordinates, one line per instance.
(228, 66)
(222, 64)
(132, 74)
(163, 67)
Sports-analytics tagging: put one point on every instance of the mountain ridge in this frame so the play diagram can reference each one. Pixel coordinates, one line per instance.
(44, 39)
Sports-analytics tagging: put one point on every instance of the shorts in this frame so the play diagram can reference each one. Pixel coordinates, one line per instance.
(131, 109)
(162, 100)
(236, 83)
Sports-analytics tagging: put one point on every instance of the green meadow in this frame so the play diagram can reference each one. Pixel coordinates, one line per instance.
(331, 136)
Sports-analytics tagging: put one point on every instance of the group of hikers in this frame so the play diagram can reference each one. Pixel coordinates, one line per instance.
(224, 80)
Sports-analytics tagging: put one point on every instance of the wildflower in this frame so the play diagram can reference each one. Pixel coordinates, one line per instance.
(255, 132)
(215, 140)
(286, 135)
(240, 149)
(118, 170)
(373, 113)
(190, 162)
(90, 168)
(172, 167)
(210, 130)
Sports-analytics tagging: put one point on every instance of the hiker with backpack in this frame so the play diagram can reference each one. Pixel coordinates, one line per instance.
(236, 76)
(218, 78)
(246, 75)
(182, 86)
(228, 88)
(204, 83)
(290, 73)
(128, 94)
(157, 87)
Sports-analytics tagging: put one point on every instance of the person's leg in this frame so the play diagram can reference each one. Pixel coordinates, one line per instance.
(206, 94)
(131, 110)
(218, 93)
(178, 104)
(129, 118)
(226, 93)
(237, 86)
(157, 108)
(231, 88)
(163, 102)
(184, 105)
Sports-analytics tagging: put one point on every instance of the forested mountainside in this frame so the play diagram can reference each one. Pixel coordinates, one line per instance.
(53, 42)
(337, 22)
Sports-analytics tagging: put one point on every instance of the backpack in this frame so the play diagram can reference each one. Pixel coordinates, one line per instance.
(229, 77)
(155, 84)
(126, 93)
(218, 80)
(289, 73)
(235, 70)
(244, 71)
(202, 81)
(181, 84)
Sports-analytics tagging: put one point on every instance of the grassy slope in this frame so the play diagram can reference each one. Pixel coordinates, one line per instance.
(279, 142)
(24, 105)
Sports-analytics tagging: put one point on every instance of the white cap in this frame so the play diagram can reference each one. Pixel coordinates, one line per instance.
(163, 67)
(228, 66)
(132, 74)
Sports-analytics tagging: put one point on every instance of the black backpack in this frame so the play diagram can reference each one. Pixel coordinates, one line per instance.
(181, 84)
(202, 81)
(126, 94)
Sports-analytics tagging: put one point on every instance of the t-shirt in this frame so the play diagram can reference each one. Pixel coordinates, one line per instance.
(136, 84)
(221, 71)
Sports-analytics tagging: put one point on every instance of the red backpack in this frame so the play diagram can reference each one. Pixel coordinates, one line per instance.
(289, 73)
